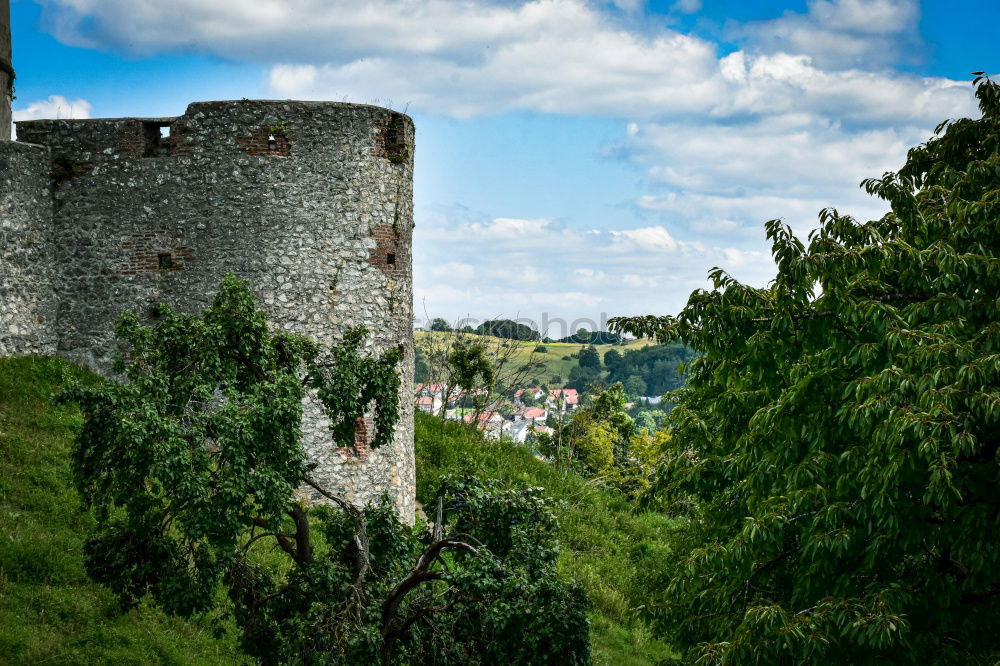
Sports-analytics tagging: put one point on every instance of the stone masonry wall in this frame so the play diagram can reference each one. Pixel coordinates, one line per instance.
(27, 304)
(310, 201)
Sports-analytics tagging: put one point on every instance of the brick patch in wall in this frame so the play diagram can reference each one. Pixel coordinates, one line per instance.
(150, 253)
(265, 142)
(363, 435)
(390, 252)
(390, 139)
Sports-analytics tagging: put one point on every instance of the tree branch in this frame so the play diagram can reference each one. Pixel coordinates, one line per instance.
(421, 573)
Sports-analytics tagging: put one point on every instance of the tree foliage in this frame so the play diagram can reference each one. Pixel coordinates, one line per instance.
(191, 467)
(507, 329)
(590, 358)
(440, 325)
(838, 437)
(656, 365)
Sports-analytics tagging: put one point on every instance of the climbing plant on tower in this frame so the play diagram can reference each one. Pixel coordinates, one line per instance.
(837, 445)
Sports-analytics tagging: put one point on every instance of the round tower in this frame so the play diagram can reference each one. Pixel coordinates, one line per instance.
(310, 201)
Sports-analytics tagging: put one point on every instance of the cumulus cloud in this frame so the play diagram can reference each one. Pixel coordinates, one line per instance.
(56, 106)
(839, 33)
(464, 58)
(726, 179)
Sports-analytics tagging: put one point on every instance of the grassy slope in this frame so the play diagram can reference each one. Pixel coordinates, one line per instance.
(49, 611)
(605, 544)
(553, 356)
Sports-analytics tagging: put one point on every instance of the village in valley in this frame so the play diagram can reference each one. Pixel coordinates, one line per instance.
(532, 407)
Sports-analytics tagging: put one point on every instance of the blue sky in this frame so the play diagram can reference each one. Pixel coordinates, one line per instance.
(573, 157)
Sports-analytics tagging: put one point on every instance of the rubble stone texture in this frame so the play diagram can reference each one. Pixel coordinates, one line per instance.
(310, 201)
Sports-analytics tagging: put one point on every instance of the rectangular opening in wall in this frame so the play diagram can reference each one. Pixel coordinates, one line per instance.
(157, 135)
(390, 259)
(165, 261)
(394, 139)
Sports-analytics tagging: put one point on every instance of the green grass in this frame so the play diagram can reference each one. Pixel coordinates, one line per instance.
(50, 613)
(606, 545)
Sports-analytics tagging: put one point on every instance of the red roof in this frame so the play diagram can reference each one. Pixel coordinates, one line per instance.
(569, 396)
(534, 413)
(426, 400)
(484, 417)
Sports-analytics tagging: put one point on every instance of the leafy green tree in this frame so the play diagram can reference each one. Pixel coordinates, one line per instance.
(582, 335)
(609, 407)
(440, 325)
(838, 437)
(657, 365)
(505, 328)
(582, 379)
(191, 467)
(650, 420)
(556, 380)
(612, 359)
(589, 358)
(593, 444)
(470, 365)
(634, 386)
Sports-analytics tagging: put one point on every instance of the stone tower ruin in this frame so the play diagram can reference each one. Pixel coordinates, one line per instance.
(310, 201)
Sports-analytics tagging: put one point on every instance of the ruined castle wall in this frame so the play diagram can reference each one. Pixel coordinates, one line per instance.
(312, 202)
(27, 304)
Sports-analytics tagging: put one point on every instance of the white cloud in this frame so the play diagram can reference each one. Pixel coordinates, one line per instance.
(56, 106)
(853, 33)
(453, 270)
(687, 6)
(465, 58)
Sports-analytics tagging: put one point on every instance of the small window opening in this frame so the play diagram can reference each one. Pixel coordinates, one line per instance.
(272, 143)
(157, 136)
(166, 261)
(394, 139)
(390, 259)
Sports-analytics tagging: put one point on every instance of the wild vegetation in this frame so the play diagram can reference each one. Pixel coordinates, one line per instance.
(606, 543)
(190, 470)
(836, 448)
(51, 612)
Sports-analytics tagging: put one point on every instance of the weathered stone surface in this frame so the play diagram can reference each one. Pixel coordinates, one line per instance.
(27, 299)
(311, 201)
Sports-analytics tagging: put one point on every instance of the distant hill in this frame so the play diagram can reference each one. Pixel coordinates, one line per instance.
(557, 358)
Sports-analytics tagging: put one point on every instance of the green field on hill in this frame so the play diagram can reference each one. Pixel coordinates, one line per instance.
(552, 360)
